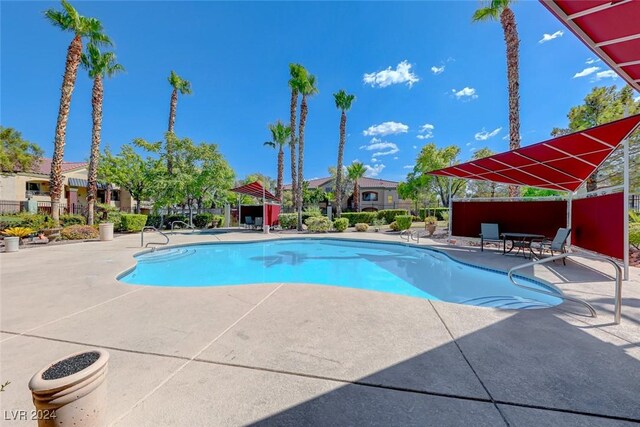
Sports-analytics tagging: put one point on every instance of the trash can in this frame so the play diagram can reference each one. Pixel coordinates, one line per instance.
(72, 390)
(106, 231)
(11, 244)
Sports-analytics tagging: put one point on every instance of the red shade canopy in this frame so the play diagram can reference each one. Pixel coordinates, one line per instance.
(563, 163)
(255, 189)
(610, 28)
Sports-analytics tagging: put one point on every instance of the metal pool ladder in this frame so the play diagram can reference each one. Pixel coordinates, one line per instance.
(618, 282)
(182, 222)
(150, 228)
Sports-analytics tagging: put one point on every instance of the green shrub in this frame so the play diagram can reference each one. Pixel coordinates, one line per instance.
(153, 221)
(116, 218)
(362, 217)
(437, 212)
(218, 221)
(634, 234)
(8, 221)
(403, 222)
(132, 223)
(431, 220)
(79, 232)
(71, 219)
(379, 222)
(202, 220)
(634, 217)
(340, 224)
(288, 220)
(318, 224)
(35, 221)
(309, 212)
(361, 226)
(445, 216)
(175, 217)
(394, 226)
(389, 215)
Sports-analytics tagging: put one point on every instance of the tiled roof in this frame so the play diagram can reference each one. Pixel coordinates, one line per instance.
(365, 182)
(45, 166)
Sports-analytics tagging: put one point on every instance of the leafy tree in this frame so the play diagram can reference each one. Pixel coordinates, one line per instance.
(538, 192)
(129, 170)
(343, 103)
(280, 135)
(178, 84)
(298, 75)
(485, 188)
(82, 27)
(17, 154)
(308, 89)
(356, 170)
(99, 65)
(604, 105)
(432, 158)
(414, 188)
(492, 11)
(312, 196)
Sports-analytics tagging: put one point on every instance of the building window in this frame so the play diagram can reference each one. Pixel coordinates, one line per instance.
(369, 196)
(33, 186)
(389, 199)
(115, 195)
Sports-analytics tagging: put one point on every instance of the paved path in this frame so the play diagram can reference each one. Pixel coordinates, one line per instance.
(287, 354)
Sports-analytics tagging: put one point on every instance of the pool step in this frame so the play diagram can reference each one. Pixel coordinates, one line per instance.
(166, 255)
(507, 302)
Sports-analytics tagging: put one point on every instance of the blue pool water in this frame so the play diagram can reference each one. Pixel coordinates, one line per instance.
(384, 267)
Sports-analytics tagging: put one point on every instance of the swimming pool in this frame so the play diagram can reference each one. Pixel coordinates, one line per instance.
(385, 267)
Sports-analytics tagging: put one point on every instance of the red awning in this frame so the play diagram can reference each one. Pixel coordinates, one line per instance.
(611, 29)
(255, 189)
(562, 163)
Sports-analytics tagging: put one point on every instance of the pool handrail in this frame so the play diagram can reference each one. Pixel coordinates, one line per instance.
(618, 281)
(182, 222)
(151, 228)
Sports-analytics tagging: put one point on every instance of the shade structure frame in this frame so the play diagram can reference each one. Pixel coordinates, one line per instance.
(255, 189)
(563, 163)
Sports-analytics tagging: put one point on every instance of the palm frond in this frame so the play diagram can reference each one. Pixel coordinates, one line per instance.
(270, 144)
(485, 14)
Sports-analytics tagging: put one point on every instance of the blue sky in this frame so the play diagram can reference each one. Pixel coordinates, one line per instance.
(409, 64)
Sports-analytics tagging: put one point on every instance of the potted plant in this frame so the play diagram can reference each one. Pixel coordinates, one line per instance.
(430, 224)
(14, 236)
(377, 223)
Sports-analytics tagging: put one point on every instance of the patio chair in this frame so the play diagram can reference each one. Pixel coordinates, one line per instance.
(488, 233)
(248, 221)
(258, 222)
(558, 244)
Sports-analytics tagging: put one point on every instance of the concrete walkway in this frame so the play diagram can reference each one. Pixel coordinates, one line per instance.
(286, 354)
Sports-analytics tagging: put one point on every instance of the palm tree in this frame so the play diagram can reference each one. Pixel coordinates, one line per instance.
(298, 75)
(98, 65)
(279, 138)
(308, 89)
(500, 9)
(355, 171)
(343, 103)
(68, 20)
(184, 87)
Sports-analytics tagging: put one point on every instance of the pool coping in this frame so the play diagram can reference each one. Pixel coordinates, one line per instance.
(541, 282)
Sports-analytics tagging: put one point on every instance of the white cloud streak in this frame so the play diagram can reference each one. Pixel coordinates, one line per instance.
(585, 72)
(466, 93)
(607, 74)
(374, 171)
(386, 128)
(426, 131)
(548, 37)
(437, 70)
(483, 135)
(402, 74)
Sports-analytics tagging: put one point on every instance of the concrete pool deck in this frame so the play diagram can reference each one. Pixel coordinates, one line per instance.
(286, 354)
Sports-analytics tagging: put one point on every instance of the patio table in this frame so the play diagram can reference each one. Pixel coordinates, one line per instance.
(520, 241)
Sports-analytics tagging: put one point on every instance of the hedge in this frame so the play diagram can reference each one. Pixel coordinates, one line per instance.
(218, 220)
(288, 220)
(404, 222)
(70, 219)
(175, 217)
(422, 213)
(153, 221)
(318, 224)
(340, 224)
(202, 220)
(359, 217)
(389, 215)
(132, 223)
(79, 232)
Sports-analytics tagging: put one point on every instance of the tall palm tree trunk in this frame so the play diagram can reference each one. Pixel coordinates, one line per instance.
(303, 121)
(280, 173)
(508, 21)
(343, 130)
(68, 82)
(172, 121)
(96, 114)
(356, 196)
(292, 145)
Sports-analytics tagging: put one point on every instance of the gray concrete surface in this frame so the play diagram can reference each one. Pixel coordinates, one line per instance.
(287, 354)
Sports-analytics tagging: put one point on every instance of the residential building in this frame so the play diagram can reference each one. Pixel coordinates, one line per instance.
(375, 194)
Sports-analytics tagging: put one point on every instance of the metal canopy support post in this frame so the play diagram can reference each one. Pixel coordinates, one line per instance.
(450, 209)
(239, 211)
(569, 214)
(625, 210)
(264, 212)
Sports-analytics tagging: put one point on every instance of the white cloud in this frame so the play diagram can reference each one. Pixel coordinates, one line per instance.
(483, 135)
(426, 131)
(384, 78)
(385, 153)
(466, 93)
(437, 70)
(607, 74)
(637, 98)
(548, 37)
(590, 61)
(395, 158)
(468, 144)
(407, 167)
(386, 128)
(415, 146)
(376, 144)
(374, 170)
(374, 160)
(586, 72)
(474, 149)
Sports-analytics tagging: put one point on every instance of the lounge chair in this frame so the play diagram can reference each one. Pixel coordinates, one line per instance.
(258, 222)
(248, 221)
(558, 244)
(488, 233)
